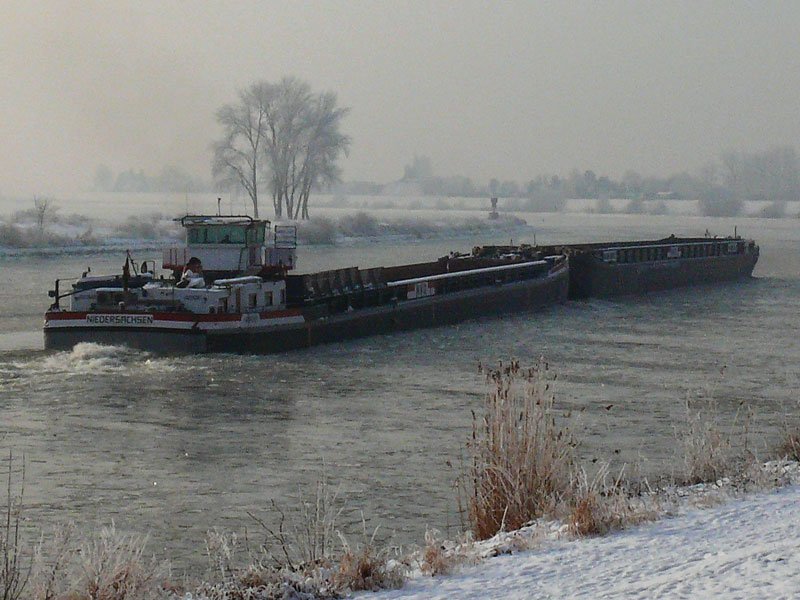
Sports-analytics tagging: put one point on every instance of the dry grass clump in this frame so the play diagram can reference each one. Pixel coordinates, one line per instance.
(440, 556)
(258, 580)
(110, 566)
(789, 446)
(367, 568)
(308, 536)
(711, 451)
(591, 511)
(51, 558)
(364, 569)
(435, 560)
(521, 458)
(304, 556)
(600, 505)
(707, 451)
(14, 570)
(523, 466)
(113, 566)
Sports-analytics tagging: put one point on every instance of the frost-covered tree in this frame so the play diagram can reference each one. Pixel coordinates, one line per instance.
(323, 143)
(239, 156)
(285, 135)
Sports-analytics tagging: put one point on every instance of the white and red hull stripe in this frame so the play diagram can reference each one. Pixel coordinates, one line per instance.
(172, 321)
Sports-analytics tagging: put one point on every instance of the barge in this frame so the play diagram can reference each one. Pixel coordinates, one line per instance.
(605, 270)
(230, 288)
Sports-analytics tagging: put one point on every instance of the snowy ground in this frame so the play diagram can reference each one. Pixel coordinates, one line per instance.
(743, 549)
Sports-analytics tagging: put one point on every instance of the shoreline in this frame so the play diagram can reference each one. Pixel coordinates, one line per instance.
(740, 546)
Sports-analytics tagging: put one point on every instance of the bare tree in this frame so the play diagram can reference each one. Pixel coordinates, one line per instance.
(304, 145)
(43, 208)
(282, 134)
(288, 126)
(238, 156)
(324, 143)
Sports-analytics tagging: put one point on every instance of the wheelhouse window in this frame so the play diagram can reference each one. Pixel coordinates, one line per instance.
(217, 234)
(256, 234)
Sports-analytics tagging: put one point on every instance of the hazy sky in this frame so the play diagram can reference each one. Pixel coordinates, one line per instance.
(486, 89)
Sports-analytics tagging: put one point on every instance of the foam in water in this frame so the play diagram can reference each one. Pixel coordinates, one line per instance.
(95, 359)
(87, 357)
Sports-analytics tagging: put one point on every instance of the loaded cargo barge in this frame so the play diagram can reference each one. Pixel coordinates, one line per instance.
(229, 289)
(604, 270)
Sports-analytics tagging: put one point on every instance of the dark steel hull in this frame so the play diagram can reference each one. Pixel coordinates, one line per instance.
(530, 295)
(431, 311)
(592, 278)
(162, 341)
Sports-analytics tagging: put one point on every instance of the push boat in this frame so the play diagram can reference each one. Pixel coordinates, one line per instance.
(230, 288)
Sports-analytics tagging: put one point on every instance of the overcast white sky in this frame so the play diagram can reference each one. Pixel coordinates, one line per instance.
(486, 89)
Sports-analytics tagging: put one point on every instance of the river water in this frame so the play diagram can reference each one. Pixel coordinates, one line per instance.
(173, 447)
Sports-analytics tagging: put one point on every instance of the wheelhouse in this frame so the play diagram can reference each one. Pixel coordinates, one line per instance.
(228, 246)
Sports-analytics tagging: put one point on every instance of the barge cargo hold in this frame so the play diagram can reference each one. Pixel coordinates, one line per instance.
(604, 270)
(230, 290)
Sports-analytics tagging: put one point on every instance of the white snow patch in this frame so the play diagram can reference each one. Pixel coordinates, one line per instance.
(746, 548)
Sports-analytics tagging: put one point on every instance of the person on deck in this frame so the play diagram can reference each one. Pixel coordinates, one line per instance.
(192, 274)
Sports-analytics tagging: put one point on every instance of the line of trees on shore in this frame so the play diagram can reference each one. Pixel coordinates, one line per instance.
(170, 179)
(722, 187)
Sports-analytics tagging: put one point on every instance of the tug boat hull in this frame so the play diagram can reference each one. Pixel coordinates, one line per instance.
(279, 331)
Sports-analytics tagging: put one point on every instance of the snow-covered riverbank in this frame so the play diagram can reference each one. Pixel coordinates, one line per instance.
(157, 231)
(747, 548)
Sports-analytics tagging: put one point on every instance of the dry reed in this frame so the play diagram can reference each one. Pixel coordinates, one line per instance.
(14, 571)
(789, 446)
(366, 567)
(711, 450)
(600, 504)
(521, 458)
